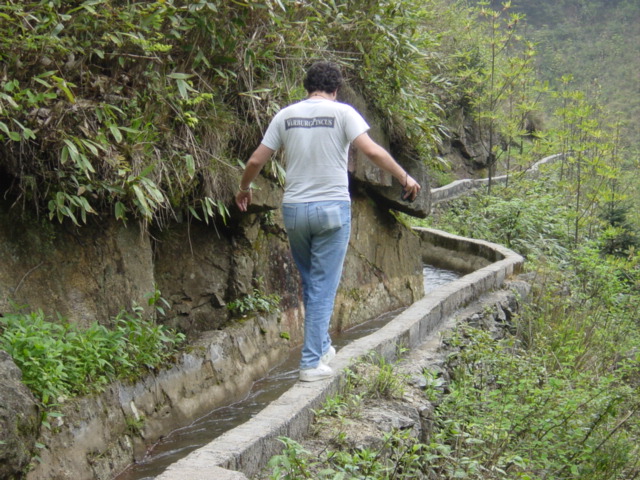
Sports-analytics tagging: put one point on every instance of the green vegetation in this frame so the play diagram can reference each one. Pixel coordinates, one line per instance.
(140, 110)
(595, 42)
(397, 459)
(373, 377)
(555, 399)
(256, 302)
(59, 360)
(515, 413)
(559, 399)
(592, 41)
(503, 98)
(143, 110)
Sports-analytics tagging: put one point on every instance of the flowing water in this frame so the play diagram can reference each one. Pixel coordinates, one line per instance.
(181, 442)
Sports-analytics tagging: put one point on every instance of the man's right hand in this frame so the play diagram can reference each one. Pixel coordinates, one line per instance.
(411, 189)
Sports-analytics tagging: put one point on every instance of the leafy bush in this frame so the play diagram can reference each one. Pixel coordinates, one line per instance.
(559, 399)
(107, 108)
(584, 311)
(398, 458)
(256, 302)
(529, 217)
(374, 376)
(508, 412)
(59, 359)
(508, 415)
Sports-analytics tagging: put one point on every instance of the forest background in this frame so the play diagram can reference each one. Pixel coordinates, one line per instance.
(143, 111)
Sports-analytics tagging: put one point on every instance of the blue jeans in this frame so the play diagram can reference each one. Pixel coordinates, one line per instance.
(319, 236)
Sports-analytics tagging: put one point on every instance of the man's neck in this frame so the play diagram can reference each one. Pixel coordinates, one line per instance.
(325, 95)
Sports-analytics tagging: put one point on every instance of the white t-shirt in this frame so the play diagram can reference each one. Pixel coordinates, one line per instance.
(315, 134)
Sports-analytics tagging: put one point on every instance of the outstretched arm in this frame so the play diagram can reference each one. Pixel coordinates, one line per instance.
(380, 157)
(258, 158)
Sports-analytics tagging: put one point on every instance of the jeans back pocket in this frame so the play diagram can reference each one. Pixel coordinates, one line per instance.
(329, 218)
(289, 213)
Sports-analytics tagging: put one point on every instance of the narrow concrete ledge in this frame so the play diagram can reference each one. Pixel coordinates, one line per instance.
(248, 447)
(463, 187)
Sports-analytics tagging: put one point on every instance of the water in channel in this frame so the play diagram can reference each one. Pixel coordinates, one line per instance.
(181, 442)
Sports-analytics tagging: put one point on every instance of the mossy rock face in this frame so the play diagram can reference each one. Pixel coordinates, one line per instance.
(84, 274)
(19, 419)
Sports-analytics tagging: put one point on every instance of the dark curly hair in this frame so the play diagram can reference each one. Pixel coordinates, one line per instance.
(323, 77)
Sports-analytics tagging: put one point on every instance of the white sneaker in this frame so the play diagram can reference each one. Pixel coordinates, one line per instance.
(327, 357)
(321, 372)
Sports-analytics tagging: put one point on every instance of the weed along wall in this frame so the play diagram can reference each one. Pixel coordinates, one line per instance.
(248, 447)
(98, 436)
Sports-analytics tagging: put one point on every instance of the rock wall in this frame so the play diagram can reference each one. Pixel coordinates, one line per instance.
(19, 419)
(85, 274)
(466, 148)
(90, 273)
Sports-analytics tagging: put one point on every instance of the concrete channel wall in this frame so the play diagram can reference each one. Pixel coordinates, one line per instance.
(243, 451)
(463, 187)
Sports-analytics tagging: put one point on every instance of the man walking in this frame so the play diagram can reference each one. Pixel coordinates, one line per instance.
(315, 134)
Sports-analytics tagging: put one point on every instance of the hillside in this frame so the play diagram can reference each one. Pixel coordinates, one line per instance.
(597, 43)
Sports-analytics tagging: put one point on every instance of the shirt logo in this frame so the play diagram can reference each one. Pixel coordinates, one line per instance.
(298, 122)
